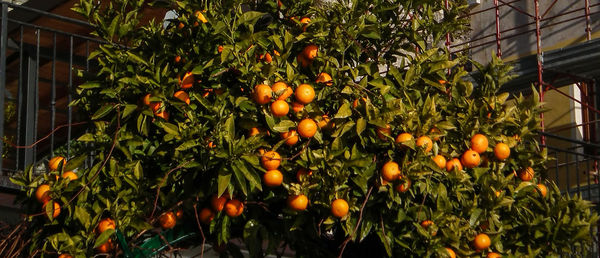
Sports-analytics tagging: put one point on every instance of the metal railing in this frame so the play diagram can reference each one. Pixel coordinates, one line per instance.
(39, 55)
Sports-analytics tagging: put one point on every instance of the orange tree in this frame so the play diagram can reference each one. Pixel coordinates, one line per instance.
(312, 125)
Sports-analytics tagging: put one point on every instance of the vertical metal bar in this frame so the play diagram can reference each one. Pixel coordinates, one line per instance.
(589, 182)
(588, 29)
(568, 173)
(19, 91)
(36, 93)
(556, 169)
(577, 172)
(498, 36)
(539, 64)
(69, 96)
(3, 46)
(53, 94)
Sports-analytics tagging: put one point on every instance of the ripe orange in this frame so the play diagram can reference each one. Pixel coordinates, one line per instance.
(501, 151)
(217, 203)
(302, 173)
(291, 137)
(493, 255)
(297, 107)
(305, 94)
(470, 159)
(156, 106)
(390, 171)
(42, 194)
(179, 213)
(200, 17)
(55, 162)
(307, 128)
(180, 25)
(310, 52)
(404, 137)
(267, 58)
(305, 20)
(270, 160)
(70, 175)
(339, 208)
(527, 174)
(183, 96)
(436, 133)
(404, 186)
(542, 189)
(302, 61)
(280, 108)
(324, 78)
(273, 178)
(382, 133)
(106, 247)
(479, 143)
(275, 52)
(55, 211)
(167, 220)
(163, 114)
(262, 94)
(220, 49)
(282, 90)
(65, 256)
(177, 59)
(187, 81)
(206, 216)
(451, 253)
(425, 142)
(147, 99)
(426, 224)
(234, 208)
(482, 242)
(106, 224)
(440, 161)
(453, 163)
(297, 202)
(357, 102)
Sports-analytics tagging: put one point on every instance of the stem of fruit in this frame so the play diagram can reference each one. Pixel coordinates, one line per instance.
(360, 215)
(201, 231)
(161, 183)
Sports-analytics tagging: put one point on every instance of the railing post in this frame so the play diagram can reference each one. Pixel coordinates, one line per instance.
(3, 46)
(28, 107)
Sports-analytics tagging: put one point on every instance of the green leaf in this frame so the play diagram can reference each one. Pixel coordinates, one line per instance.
(230, 129)
(103, 111)
(103, 237)
(252, 177)
(169, 128)
(136, 58)
(284, 126)
(344, 111)
(75, 163)
(361, 125)
(223, 181)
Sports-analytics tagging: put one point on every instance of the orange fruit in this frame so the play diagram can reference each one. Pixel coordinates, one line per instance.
(106, 224)
(425, 142)
(470, 159)
(106, 247)
(527, 174)
(183, 96)
(440, 161)
(217, 203)
(179, 213)
(275, 52)
(211, 145)
(65, 256)
(220, 49)
(482, 242)
(356, 102)
(436, 132)
(180, 25)
(206, 216)
(297, 202)
(163, 114)
(257, 131)
(200, 17)
(404, 137)
(234, 208)
(270, 160)
(55, 211)
(339, 208)
(326, 123)
(451, 253)
(282, 90)
(167, 220)
(493, 255)
(177, 59)
(382, 133)
(302, 173)
(297, 107)
(307, 128)
(479, 143)
(498, 193)
(187, 81)
(42, 194)
(305, 94)
(324, 78)
(291, 137)
(55, 162)
(426, 224)
(71, 175)
(302, 61)
(262, 94)
(390, 171)
(453, 163)
(273, 178)
(404, 186)
(280, 108)
(267, 58)
(310, 52)
(501, 151)
(156, 106)
(542, 189)
(442, 81)
(147, 99)
(305, 20)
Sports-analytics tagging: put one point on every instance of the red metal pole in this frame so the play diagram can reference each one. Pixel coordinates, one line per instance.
(498, 49)
(539, 64)
(588, 29)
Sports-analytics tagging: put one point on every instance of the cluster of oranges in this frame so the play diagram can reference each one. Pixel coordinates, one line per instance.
(233, 208)
(42, 193)
(103, 225)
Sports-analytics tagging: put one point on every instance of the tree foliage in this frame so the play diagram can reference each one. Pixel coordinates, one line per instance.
(391, 74)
